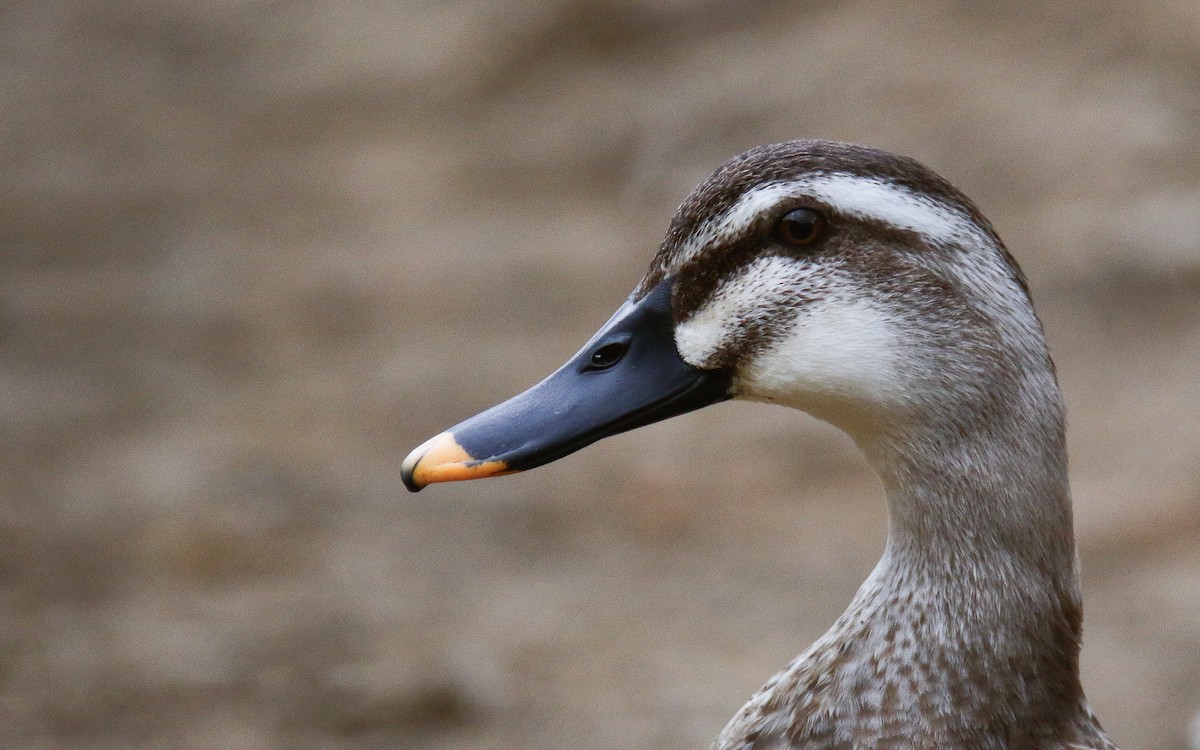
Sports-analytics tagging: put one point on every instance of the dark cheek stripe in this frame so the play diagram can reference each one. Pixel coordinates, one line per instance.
(758, 333)
(772, 317)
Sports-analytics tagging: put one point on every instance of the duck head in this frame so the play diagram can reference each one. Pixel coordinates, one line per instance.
(845, 281)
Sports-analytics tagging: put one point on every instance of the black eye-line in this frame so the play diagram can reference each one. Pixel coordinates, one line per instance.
(607, 355)
(820, 225)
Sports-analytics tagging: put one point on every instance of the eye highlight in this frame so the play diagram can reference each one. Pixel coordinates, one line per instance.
(801, 227)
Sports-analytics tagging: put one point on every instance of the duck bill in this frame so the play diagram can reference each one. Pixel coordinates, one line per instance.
(628, 375)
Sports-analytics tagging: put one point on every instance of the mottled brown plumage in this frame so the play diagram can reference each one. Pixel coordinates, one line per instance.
(897, 315)
(967, 634)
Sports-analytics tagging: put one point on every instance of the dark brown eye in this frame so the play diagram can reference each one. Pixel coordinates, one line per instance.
(800, 228)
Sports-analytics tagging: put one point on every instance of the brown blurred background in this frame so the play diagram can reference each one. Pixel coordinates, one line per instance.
(254, 252)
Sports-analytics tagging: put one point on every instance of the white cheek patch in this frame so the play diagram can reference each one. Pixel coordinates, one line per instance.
(843, 349)
(861, 197)
(839, 347)
(743, 298)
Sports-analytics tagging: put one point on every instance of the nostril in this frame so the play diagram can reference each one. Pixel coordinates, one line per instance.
(608, 355)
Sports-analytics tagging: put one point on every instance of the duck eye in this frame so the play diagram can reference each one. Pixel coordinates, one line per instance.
(608, 355)
(800, 228)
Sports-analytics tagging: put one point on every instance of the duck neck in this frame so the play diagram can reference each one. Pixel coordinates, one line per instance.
(993, 499)
(979, 570)
(967, 632)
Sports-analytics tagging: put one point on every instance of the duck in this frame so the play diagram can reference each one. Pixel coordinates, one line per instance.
(861, 287)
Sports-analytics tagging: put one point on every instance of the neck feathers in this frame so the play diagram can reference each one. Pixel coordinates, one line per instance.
(967, 633)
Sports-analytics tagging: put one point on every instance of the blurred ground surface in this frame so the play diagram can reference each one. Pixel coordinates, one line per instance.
(253, 252)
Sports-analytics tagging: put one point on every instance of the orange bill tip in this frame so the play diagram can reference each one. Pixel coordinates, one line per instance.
(442, 459)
